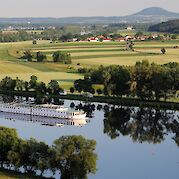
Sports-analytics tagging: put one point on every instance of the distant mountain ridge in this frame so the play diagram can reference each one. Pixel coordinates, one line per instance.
(156, 11)
(148, 15)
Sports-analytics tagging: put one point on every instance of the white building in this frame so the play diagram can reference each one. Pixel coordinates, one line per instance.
(93, 39)
(129, 28)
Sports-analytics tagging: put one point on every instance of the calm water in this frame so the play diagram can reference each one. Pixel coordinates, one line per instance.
(132, 143)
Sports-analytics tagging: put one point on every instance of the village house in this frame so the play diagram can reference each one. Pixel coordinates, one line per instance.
(93, 39)
(121, 39)
(128, 37)
(106, 39)
(130, 28)
(142, 38)
(75, 40)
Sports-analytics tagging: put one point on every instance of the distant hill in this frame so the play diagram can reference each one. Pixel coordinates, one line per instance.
(148, 15)
(169, 26)
(156, 11)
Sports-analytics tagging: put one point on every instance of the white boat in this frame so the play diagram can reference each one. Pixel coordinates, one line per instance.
(46, 110)
(46, 121)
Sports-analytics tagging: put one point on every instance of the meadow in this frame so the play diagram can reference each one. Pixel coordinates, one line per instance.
(84, 54)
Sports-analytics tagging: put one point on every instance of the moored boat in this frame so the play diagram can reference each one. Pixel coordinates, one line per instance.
(46, 110)
(45, 121)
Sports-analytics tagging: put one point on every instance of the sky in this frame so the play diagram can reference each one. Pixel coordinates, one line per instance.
(68, 8)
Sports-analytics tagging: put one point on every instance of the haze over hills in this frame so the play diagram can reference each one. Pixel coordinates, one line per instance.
(148, 15)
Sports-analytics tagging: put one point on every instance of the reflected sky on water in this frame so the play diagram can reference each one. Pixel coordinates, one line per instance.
(132, 143)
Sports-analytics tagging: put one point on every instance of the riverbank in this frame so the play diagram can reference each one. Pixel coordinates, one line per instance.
(123, 101)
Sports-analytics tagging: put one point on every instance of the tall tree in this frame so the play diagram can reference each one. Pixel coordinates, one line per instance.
(40, 57)
(27, 55)
(8, 137)
(53, 87)
(75, 157)
(62, 57)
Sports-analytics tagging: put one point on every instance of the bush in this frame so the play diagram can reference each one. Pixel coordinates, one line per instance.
(82, 70)
(40, 57)
(63, 57)
(27, 55)
(34, 42)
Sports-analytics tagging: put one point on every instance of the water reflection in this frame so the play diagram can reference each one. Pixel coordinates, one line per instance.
(8, 98)
(87, 108)
(116, 122)
(44, 120)
(141, 124)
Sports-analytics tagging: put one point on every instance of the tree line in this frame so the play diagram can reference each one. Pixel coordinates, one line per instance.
(143, 80)
(58, 56)
(20, 35)
(71, 156)
(9, 84)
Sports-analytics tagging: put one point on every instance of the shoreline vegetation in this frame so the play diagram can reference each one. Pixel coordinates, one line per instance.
(143, 85)
(123, 101)
(64, 157)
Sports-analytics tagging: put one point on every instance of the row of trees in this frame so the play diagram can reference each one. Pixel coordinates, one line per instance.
(58, 56)
(72, 156)
(47, 34)
(16, 36)
(9, 84)
(144, 80)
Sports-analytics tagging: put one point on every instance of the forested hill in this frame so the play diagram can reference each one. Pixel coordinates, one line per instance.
(169, 26)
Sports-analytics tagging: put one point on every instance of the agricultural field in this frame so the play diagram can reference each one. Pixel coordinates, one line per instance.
(85, 54)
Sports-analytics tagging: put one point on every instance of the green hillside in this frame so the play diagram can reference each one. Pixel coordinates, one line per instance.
(169, 26)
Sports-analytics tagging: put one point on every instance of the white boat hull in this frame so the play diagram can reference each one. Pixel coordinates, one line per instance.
(43, 120)
(44, 111)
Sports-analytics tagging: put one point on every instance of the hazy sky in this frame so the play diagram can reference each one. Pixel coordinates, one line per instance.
(64, 8)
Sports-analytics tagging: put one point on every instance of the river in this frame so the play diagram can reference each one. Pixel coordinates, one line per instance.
(132, 143)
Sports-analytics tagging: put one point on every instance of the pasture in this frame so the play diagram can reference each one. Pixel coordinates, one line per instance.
(85, 54)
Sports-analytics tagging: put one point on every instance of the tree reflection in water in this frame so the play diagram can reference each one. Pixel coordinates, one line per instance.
(175, 129)
(116, 122)
(87, 108)
(7, 98)
(141, 124)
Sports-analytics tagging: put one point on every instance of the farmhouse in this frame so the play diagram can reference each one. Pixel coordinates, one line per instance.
(142, 38)
(121, 39)
(106, 39)
(93, 39)
(75, 40)
(128, 37)
(129, 28)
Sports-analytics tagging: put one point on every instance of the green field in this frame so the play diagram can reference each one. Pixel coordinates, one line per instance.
(86, 53)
